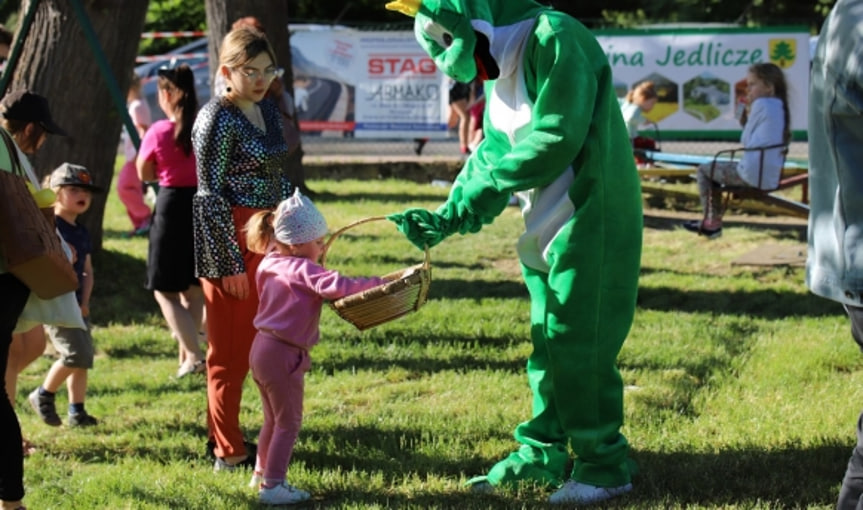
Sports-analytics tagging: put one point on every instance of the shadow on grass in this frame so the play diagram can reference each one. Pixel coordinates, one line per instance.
(476, 289)
(786, 477)
(119, 295)
(391, 451)
(784, 229)
(793, 477)
(767, 304)
(156, 348)
(420, 365)
(675, 391)
(355, 499)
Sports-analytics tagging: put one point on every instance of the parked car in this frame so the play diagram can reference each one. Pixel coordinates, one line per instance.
(194, 55)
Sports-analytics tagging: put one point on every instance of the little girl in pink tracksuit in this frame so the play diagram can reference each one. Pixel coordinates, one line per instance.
(292, 288)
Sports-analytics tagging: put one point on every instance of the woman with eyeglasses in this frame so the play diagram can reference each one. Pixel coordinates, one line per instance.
(166, 156)
(240, 149)
(290, 124)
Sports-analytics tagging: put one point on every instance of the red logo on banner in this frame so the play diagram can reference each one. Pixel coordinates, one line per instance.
(395, 65)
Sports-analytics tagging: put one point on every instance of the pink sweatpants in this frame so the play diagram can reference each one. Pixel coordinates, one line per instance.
(279, 370)
(131, 193)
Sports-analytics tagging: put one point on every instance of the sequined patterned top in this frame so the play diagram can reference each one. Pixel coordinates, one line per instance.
(237, 165)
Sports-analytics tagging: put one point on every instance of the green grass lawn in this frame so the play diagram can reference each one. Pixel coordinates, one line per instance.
(742, 388)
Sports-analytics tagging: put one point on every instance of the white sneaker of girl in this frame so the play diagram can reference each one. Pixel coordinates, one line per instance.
(282, 494)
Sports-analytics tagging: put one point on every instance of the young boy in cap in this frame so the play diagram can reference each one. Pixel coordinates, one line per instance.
(74, 188)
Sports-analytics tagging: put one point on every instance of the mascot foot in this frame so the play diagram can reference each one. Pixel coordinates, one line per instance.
(528, 464)
(579, 493)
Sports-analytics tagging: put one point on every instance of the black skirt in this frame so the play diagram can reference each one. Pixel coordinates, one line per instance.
(171, 256)
(459, 91)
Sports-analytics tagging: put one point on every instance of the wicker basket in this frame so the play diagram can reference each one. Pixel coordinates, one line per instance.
(391, 300)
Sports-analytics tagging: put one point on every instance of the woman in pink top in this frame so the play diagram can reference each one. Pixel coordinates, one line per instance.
(292, 288)
(166, 155)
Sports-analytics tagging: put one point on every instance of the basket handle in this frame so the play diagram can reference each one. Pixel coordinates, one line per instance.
(337, 233)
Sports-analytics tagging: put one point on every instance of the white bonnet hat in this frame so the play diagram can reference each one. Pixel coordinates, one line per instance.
(298, 221)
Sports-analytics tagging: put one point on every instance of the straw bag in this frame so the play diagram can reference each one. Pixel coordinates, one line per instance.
(405, 291)
(29, 243)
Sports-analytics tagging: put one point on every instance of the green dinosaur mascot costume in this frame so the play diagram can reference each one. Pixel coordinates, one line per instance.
(555, 138)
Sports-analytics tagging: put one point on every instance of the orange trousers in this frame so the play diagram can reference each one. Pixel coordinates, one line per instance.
(230, 332)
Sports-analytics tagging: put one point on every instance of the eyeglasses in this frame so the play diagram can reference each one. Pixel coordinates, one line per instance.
(252, 74)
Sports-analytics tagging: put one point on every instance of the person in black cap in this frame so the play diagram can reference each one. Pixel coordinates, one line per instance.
(26, 117)
(74, 187)
(32, 110)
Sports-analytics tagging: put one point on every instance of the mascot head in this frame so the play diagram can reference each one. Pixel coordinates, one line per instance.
(459, 34)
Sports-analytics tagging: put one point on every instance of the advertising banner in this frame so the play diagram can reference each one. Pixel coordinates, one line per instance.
(383, 85)
(367, 84)
(700, 75)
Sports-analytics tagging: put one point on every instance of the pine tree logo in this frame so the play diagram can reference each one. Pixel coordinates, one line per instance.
(782, 52)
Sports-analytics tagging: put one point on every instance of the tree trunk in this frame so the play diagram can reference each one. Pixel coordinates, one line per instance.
(273, 14)
(57, 61)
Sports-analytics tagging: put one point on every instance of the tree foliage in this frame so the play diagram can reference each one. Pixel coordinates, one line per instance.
(171, 15)
(166, 15)
(610, 13)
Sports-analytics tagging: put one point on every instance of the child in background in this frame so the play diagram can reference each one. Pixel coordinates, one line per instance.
(292, 288)
(639, 100)
(129, 186)
(74, 188)
(766, 124)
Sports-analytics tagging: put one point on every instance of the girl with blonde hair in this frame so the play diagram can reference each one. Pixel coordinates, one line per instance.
(292, 287)
(639, 100)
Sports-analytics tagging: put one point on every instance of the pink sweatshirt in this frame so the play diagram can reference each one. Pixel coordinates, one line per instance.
(292, 291)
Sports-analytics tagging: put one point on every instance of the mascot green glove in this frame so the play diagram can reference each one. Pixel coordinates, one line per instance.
(555, 138)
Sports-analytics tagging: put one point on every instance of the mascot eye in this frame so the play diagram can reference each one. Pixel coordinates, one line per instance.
(438, 34)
